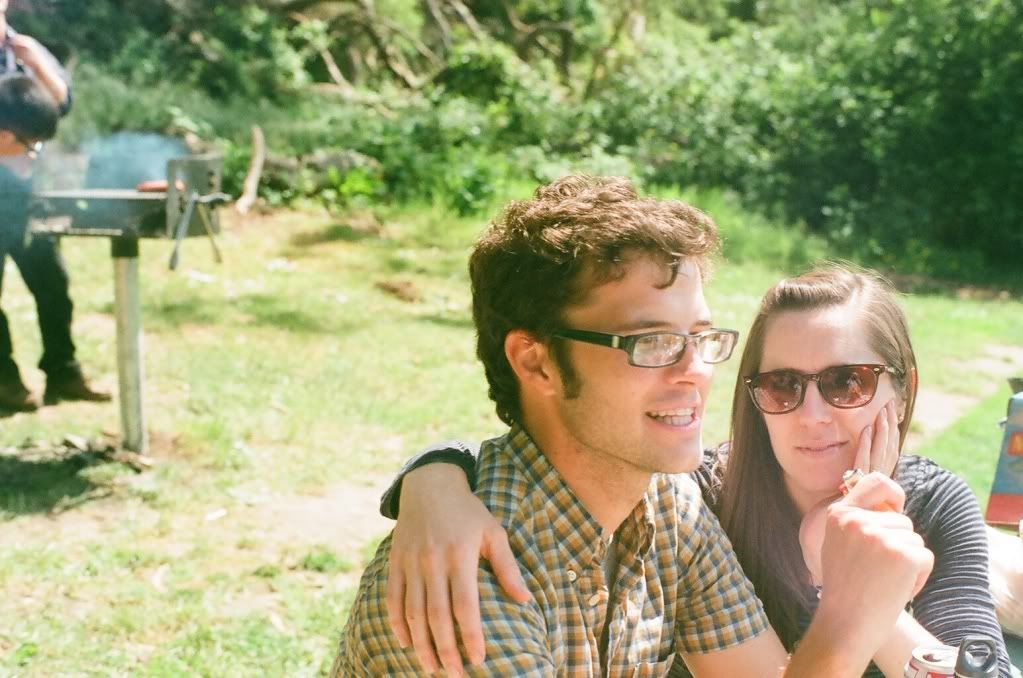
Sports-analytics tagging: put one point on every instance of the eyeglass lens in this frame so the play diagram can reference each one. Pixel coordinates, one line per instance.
(655, 350)
(844, 386)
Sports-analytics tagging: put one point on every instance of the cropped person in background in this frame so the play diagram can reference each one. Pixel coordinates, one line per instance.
(24, 54)
(34, 85)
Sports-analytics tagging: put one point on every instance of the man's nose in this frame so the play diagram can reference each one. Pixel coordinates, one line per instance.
(690, 367)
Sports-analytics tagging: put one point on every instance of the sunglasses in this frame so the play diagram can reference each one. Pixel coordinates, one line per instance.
(660, 349)
(841, 386)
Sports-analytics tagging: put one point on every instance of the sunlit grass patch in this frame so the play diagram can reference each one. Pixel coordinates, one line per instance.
(323, 352)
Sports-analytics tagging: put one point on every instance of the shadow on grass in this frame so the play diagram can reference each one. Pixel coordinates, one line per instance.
(179, 311)
(41, 483)
(458, 321)
(333, 233)
(263, 310)
(280, 313)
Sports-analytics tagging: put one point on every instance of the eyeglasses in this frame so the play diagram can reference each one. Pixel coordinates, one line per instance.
(841, 386)
(660, 349)
(31, 147)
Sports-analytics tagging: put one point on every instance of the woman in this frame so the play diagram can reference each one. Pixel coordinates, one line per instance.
(827, 383)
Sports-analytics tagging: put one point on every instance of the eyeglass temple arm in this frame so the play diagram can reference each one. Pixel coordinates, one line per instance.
(612, 340)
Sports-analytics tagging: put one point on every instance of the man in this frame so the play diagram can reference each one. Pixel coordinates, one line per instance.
(24, 124)
(597, 343)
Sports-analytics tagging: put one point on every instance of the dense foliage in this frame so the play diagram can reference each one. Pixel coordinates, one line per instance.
(892, 127)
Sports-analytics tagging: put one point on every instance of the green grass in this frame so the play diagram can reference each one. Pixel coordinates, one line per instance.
(970, 446)
(287, 373)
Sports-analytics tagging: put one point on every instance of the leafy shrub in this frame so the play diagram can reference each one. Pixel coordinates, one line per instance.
(888, 128)
(892, 135)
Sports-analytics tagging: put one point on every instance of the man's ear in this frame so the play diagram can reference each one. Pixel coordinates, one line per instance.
(531, 361)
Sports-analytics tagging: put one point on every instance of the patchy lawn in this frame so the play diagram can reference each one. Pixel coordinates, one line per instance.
(282, 390)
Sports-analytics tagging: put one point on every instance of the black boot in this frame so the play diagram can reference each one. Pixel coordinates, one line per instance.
(71, 386)
(15, 396)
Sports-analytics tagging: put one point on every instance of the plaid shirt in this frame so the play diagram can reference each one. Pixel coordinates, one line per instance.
(678, 585)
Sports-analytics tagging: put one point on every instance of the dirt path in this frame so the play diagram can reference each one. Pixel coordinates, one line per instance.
(936, 410)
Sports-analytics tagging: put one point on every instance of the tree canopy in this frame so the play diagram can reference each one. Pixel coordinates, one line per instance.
(892, 126)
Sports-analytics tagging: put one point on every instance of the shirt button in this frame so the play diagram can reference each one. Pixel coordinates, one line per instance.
(572, 576)
(594, 600)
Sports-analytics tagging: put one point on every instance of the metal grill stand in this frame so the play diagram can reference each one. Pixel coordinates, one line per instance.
(186, 208)
(128, 315)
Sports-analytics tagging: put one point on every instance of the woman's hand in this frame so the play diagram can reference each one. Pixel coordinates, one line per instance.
(872, 493)
(879, 443)
(877, 451)
(442, 532)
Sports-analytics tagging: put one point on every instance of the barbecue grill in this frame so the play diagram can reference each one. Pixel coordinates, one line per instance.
(181, 207)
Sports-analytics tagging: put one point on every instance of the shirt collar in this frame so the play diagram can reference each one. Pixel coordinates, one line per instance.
(580, 535)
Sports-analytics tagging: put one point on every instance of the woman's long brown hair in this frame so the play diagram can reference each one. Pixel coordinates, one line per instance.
(754, 507)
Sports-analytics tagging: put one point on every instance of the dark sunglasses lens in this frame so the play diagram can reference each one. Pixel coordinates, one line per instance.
(777, 392)
(848, 385)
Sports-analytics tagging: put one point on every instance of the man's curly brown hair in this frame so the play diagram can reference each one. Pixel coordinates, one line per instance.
(546, 253)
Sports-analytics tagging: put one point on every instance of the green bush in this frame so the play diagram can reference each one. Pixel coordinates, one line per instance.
(888, 128)
(894, 136)
(223, 49)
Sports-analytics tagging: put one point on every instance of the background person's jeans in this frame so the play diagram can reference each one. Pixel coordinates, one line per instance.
(42, 269)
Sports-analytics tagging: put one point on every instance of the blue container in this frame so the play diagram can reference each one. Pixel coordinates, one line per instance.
(1005, 507)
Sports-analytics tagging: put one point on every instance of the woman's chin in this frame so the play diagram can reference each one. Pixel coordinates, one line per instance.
(812, 490)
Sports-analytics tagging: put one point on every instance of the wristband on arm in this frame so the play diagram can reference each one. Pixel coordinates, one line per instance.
(457, 452)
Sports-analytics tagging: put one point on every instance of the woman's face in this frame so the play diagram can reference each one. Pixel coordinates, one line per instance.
(816, 442)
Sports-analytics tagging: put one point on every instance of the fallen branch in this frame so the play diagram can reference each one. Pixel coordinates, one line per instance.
(251, 184)
(335, 73)
(138, 462)
(437, 14)
(468, 19)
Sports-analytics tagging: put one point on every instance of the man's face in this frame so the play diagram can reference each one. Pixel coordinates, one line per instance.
(637, 418)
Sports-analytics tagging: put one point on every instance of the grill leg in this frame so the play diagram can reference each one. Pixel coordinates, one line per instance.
(128, 313)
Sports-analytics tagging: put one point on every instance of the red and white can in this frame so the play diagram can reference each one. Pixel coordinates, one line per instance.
(976, 657)
(932, 662)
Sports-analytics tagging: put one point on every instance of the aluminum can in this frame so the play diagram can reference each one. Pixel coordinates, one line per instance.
(932, 662)
(977, 658)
